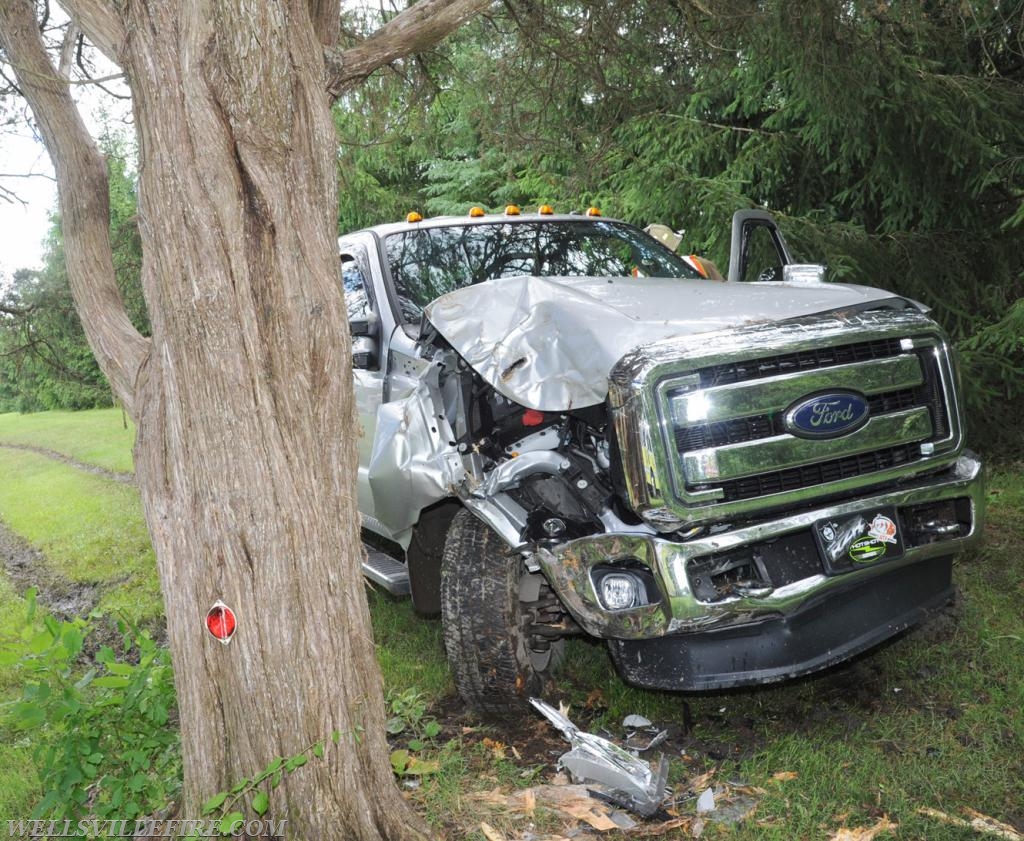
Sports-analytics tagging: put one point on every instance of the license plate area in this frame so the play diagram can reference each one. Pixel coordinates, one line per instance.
(859, 540)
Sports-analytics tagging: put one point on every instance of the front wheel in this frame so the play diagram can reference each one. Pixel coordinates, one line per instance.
(487, 609)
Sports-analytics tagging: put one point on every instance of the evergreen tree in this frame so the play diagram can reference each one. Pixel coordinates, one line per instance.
(888, 137)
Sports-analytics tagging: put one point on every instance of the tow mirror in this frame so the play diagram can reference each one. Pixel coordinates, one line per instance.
(758, 250)
(364, 352)
(367, 326)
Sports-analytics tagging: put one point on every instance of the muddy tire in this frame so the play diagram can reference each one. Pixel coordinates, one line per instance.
(496, 665)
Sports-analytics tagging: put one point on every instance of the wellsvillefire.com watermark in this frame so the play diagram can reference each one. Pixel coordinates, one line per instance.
(144, 828)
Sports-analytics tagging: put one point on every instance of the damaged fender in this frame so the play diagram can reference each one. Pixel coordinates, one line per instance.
(413, 463)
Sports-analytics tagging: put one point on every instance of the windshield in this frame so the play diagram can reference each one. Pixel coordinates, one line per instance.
(429, 262)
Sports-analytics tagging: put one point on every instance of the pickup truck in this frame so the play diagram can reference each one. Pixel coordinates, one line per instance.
(566, 429)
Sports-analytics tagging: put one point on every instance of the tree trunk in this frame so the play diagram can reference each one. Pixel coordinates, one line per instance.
(246, 454)
(246, 427)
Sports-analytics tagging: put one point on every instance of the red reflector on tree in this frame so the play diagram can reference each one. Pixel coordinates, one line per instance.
(531, 417)
(220, 622)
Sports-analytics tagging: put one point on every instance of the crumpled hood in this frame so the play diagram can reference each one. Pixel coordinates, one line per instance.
(550, 343)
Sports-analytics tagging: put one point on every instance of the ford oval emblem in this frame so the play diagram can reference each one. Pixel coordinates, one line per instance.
(828, 415)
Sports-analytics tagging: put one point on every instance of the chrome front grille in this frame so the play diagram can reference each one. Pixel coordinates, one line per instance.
(803, 360)
(713, 438)
(781, 481)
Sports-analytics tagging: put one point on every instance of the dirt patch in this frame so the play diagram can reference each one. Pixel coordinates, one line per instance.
(96, 470)
(27, 567)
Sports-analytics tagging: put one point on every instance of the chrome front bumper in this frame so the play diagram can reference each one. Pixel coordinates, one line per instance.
(568, 566)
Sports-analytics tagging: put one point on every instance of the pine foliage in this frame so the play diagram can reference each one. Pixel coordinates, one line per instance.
(887, 136)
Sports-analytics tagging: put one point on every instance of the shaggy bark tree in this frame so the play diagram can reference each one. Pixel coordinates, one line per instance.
(242, 397)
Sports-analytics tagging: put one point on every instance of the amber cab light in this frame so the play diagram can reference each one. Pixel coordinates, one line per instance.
(512, 210)
(476, 212)
(545, 210)
(593, 211)
(413, 216)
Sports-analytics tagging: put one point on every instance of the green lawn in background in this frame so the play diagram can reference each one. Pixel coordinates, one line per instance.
(98, 437)
(90, 529)
(933, 719)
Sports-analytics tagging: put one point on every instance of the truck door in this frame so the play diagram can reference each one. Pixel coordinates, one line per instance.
(367, 365)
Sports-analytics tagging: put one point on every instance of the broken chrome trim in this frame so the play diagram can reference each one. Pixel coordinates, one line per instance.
(653, 384)
(568, 566)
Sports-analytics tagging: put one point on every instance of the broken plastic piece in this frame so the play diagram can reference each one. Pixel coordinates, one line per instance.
(631, 782)
(706, 801)
(635, 722)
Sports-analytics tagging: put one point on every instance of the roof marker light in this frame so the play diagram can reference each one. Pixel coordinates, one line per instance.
(476, 212)
(593, 211)
(512, 210)
(413, 216)
(545, 210)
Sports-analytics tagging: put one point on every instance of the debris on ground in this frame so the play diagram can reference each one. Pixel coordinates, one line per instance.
(716, 802)
(570, 801)
(976, 821)
(706, 801)
(628, 780)
(864, 833)
(583, 813)
(641, 734)
(604, 788)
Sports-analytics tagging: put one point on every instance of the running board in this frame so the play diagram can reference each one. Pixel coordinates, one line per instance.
(388, 572)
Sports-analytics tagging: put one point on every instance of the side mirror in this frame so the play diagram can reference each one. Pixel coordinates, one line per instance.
(366, 326)
(364, 352)
(804, 273)
(756, 242)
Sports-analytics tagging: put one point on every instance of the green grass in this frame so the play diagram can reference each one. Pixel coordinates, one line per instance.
(95, 437)
(409, 648)
(90, 529)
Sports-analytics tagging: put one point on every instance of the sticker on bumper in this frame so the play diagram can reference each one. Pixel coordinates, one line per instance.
(858, 539)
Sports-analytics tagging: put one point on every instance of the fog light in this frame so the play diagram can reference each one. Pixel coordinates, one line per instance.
(619, 591)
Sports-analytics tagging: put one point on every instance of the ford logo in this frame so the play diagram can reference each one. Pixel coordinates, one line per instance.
(828, 415)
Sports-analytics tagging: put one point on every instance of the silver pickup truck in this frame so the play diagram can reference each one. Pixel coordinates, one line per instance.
(566, 429)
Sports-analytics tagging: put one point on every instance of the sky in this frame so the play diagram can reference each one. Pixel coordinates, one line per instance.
(24, 224)
(23, 227)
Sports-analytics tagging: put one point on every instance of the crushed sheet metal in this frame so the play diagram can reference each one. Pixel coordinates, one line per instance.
(412, 464)
(631, 781)
(550, 343)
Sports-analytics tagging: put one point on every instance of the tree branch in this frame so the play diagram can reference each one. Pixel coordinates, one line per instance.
(101, 22)
(82, 190)
(416, 29)
(10, 309)
(67, 50)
